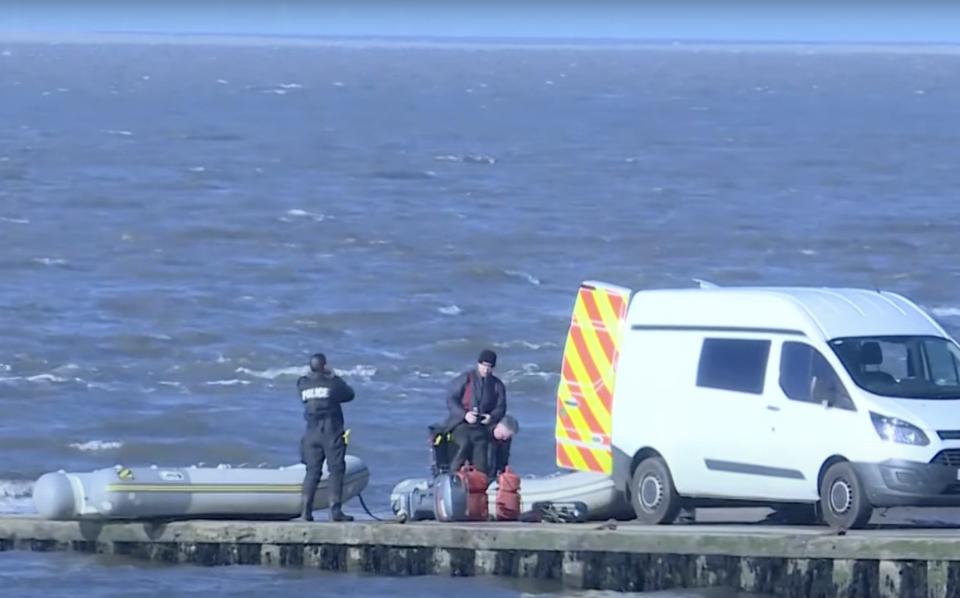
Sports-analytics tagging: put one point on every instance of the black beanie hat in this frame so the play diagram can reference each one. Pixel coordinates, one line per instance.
(487, 356)
(317, 362)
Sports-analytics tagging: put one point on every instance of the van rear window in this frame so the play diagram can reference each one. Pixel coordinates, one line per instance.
(733, 364)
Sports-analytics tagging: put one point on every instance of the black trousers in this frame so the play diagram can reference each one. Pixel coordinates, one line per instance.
(473, 444)
(324, 442)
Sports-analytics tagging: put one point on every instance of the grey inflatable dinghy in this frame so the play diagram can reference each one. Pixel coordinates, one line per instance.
(184, 493)
(411, 500)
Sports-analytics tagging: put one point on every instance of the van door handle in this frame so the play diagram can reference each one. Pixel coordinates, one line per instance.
(772, 408)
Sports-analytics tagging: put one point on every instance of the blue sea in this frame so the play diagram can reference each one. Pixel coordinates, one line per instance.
(183, 223)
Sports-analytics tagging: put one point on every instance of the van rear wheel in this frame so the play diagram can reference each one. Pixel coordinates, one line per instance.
(652, 493)
(843, 500)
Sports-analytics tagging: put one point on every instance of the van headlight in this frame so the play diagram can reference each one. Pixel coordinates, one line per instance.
(897, 430)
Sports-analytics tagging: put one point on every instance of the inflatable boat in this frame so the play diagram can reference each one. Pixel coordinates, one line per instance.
(183, 493)
(412, 499)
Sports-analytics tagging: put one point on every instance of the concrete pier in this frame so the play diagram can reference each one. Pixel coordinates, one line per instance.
(783, 561)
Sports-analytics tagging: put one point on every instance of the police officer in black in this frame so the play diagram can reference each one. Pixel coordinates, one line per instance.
(322, 392)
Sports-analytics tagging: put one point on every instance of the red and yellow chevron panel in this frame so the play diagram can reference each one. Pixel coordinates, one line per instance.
(588, 372)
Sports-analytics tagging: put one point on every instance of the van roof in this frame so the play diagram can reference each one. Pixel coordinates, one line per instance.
(826, 313)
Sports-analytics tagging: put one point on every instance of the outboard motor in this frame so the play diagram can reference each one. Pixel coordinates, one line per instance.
(413, 500)
(450, 498)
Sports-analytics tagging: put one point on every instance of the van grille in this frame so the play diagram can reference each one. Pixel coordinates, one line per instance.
(949, 457)
(949, 434)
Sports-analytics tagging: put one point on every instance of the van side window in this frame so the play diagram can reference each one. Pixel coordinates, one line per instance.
(805, 375)
(943, 363)
(733, 364)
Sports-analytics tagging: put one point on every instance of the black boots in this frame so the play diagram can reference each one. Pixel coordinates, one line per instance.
(337, 515)
(335, 494)
(306, 508)
(335, 489)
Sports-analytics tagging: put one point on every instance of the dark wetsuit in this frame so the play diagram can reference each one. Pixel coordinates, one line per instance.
(485, 395)
(322, 393)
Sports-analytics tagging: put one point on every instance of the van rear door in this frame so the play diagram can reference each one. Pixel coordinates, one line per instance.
(588, 373)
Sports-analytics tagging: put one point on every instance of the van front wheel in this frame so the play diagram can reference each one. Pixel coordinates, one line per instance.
(652, 494)
(843, 501)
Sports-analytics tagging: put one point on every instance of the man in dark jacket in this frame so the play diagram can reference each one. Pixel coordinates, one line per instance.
(477, 401)
(322, 392)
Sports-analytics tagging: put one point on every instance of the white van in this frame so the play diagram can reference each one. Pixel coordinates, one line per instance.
(839, 399)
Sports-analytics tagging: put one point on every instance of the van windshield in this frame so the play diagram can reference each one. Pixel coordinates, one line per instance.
(909, 367)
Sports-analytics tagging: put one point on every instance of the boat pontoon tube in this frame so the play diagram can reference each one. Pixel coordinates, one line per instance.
(189, 492)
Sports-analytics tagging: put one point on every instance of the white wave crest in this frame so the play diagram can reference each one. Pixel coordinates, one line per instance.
(528, 370)
(14, 220)
(5, 368)
(450, 310)
(946, 312)
(121, 132)
(479, 159)
(274, 373)
(223, 82)
(232, 382)
(46, 378)
(365, 372)
(290, 86)
(15, 488)
(49, 261)
(197, 169)
(523, 275)
(298, 213)
(466, 158)
(15, 496)
(525, 344)
(96, 445)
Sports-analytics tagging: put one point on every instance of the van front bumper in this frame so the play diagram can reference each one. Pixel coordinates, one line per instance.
(910, 484)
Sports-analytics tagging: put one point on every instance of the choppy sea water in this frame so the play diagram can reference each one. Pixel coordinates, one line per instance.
(181, 226)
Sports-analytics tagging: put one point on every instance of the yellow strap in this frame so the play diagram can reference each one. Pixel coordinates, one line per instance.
(346, 437)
